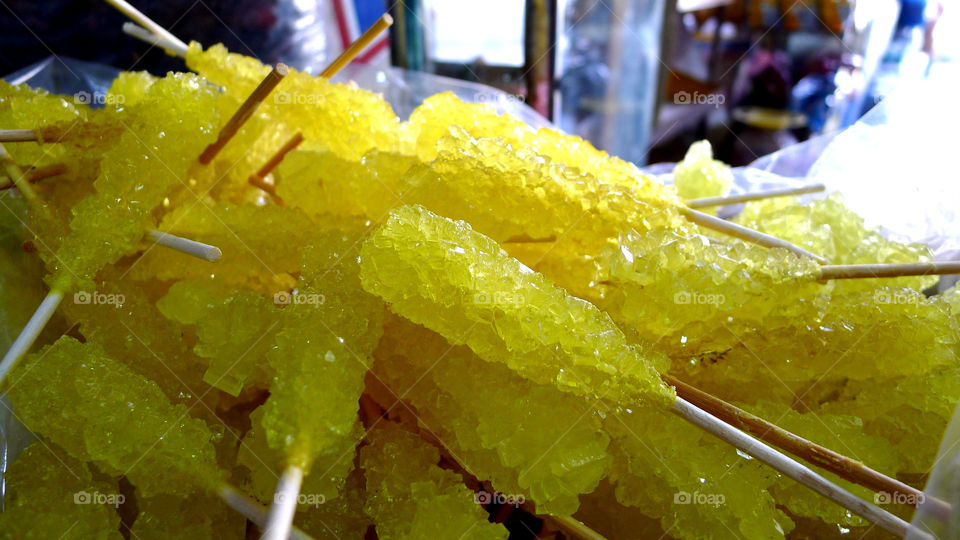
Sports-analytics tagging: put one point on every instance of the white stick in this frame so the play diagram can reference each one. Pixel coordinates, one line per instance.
(17, 135)
(253, 510)
(755, 196)
(146, 22)
(30, 332)
(745, 233)
(190, 247)
(141, 33)
(280, 518)
(793, 469)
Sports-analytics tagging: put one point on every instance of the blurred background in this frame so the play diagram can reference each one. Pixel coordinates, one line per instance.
(641, 79)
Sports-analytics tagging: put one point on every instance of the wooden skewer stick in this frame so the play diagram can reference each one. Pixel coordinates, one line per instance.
(787, 466)
(361, 43)
(190, 247)
(269, 189)
(707, 202)
(744, 233)
(35, 175)
(244, 112)
(141, 33)
(891, 270)
(253, 510)
(16, 175)
(146, 22)
(280, 518)
(272, 163)
(834, 462)
(257, 179)
(795, 470)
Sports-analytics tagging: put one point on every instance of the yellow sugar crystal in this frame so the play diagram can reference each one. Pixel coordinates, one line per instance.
(49, 494)
(319, 358)
(699, 175)
(461, 284)
(409, 496)
(99, 410)
(564, 457)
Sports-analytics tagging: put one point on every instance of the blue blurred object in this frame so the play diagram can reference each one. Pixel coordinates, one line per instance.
(911, 13)
(812, 94)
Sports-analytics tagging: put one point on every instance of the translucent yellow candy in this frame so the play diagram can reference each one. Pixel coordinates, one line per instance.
(175, 118)
(605, 515)
(196, 517)
(695, 485)
(513, 194)
(459, 283)
(699, 175)
(320, 182)
(695, 294)
(21, 288)
(827, 227)
(99, 410)
(78, 137)
(410, 497)
(49, 494)
(234, 330)
(347, 120)
(154, 346)
(22, 107)
(247, 236)
(854, 338)
(236, 73)
(324, 483)
(563, 457)
(340, 518)
(433, 119)
(130, 88)
(330, 327)
(836, 432)
(910, 412)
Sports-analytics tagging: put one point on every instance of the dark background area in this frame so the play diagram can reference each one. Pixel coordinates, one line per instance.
(90, 30)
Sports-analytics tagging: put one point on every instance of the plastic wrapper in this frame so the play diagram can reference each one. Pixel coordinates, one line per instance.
(892, 167)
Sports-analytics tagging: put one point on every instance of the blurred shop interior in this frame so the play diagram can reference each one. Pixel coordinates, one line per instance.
(641, 79)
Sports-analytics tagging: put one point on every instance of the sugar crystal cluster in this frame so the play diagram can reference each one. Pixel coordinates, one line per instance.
(420, 313)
